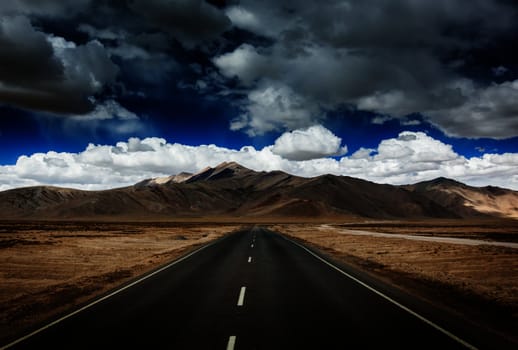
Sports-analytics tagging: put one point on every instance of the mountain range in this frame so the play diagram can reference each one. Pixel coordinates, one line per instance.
(233, 191)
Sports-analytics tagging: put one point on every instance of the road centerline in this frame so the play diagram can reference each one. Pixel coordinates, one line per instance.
(284, 278)
(231, 342)
(241, 299)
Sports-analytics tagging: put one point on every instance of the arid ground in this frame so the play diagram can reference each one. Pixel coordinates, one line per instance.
(47, 268)
(472, 276)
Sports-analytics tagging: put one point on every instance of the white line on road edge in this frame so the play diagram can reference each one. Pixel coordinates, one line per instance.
(249, 259)
(97, 301)
(231, 342)
(422, 318)
(241, 298)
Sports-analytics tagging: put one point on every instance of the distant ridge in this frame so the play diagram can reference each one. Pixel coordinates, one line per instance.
(182, 177)
(230, 190)
(468, 201)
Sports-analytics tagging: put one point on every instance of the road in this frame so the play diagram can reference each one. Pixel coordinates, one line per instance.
(450, 240)
(251, 290)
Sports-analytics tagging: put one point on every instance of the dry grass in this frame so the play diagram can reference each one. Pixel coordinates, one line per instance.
(491, 230)
(440, 272)
(47, 268)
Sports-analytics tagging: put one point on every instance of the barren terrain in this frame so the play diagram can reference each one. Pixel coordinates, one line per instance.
(47, 268)
(232, 191)
(479, 281)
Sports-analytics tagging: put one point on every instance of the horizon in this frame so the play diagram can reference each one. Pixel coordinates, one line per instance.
(229, 163)
(98, 94)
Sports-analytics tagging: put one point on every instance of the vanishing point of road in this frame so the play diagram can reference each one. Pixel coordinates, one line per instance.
(253, 289)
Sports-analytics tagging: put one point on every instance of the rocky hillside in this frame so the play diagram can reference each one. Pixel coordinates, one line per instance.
(230, 190)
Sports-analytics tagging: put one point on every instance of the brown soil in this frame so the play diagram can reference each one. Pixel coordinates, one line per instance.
(477, 282)
(48, 268)
(490, 230)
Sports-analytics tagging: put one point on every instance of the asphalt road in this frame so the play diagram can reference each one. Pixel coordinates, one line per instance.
(251, 290)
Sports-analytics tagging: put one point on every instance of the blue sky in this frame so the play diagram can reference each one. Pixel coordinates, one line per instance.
(292, 79)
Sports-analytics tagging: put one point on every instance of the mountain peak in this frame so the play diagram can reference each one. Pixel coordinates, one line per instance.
(443, 179)
(178, 178)
(231, 165)
(231, 190)
(222, 170)
(440, 181)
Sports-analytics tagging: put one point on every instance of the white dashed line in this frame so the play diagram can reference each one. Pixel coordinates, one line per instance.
(252, 245)
(241, 299)
(249, 259)
(231, 342)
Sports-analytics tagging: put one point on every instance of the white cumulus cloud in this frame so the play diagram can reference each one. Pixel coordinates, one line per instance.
(408, 158)
(313, 142)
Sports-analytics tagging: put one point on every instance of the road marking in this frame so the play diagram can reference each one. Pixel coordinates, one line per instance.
(251, 245)
(241, 299)
(386, 297)
(249, 259)
(97, 301)
(231, 342)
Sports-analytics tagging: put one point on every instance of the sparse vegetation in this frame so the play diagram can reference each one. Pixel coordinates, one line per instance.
(480, 282)
(47, 268)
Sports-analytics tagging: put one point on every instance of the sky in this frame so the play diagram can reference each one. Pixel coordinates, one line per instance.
(96, 94)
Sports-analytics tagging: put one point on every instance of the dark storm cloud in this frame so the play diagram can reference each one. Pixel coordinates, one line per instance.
(152, 41)
(285, 64)
(41, 72)
(45, 62)
(490, 112)
(389, 57)
(143, 58)
(21, 46)
(104, 34)
(189, 21)
(47, 8)
(407, 24)
(64, 56)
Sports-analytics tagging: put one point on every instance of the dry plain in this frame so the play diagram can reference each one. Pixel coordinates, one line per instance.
(47, 268)
(474, 275)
